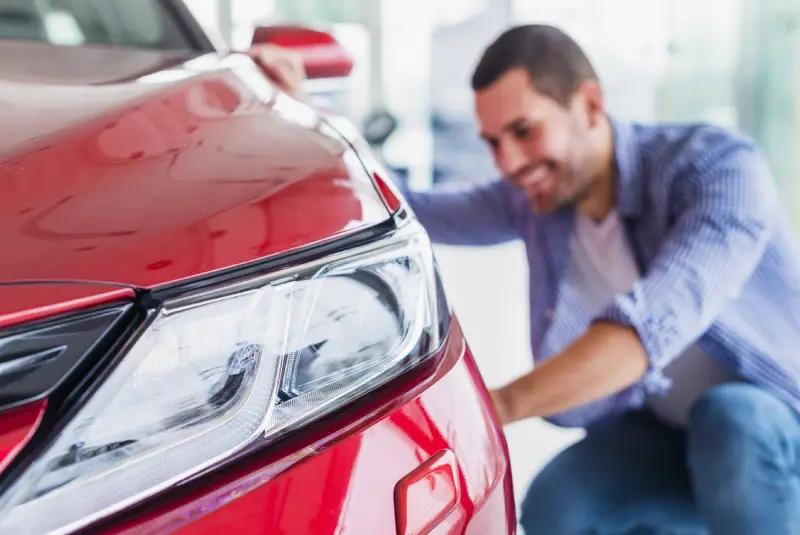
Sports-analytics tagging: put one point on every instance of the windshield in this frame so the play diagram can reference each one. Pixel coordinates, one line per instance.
(133, 23)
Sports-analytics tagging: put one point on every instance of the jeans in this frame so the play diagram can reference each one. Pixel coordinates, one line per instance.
(733, 471)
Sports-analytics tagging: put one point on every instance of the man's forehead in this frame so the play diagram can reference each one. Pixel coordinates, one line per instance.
(510, 98)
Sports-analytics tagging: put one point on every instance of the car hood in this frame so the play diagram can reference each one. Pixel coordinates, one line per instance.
(148, 168)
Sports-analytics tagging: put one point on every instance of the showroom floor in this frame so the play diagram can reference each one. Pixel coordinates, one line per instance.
(488, 290)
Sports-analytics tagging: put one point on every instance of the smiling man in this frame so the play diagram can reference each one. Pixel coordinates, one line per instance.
(665, 302)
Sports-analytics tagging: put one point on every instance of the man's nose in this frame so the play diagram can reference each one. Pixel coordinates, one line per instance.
(510, 158)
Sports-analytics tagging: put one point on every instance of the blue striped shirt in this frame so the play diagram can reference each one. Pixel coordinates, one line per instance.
(718, 256)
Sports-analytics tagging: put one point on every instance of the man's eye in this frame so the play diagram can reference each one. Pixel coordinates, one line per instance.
(522, 132)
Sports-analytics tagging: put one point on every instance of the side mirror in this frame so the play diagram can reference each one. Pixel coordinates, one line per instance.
(323, 56)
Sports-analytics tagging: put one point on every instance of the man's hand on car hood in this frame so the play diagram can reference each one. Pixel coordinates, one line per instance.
(284, 67)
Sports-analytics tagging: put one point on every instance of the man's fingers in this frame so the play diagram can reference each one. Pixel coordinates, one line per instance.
(283, 66)
(281, 71)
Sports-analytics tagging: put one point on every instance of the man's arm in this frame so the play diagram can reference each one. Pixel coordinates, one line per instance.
(484, 214)
(606, 360)
(727, 202)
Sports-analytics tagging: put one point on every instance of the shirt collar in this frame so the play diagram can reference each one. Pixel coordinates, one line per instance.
(626, 160)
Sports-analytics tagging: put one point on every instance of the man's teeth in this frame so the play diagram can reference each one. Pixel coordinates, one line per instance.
(536, 176)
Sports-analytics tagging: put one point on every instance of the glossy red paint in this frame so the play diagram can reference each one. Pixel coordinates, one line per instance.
(185, 171)
(17, 427)
(390, 198)
(345, 485)
(22, 303)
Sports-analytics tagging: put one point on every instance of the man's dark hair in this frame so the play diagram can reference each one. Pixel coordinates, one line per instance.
(555, 63)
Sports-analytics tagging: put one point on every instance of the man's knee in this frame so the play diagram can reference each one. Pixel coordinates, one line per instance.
(604, 483)
(737, 427)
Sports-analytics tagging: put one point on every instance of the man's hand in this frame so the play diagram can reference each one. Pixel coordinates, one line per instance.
(284, 67)
(604, 361)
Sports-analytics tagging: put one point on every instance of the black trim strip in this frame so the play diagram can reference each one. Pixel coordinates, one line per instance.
(36, 359)
(272, 263)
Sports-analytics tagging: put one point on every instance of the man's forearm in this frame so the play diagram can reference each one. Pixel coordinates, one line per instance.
(604, 361)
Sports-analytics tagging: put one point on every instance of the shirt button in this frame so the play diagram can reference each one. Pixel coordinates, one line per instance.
(549, 313)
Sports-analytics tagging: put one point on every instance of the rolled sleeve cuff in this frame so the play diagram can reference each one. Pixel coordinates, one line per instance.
(653, 336)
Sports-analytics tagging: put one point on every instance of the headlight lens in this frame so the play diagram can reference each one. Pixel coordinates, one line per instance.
(215, 373)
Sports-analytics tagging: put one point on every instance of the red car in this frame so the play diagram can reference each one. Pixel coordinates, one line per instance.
(216, 314)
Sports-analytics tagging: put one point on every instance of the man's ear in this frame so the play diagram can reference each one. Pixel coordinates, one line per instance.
(593, 102)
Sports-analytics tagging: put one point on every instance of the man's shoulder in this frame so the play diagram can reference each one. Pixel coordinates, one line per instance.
(683, 160)
(690, 145)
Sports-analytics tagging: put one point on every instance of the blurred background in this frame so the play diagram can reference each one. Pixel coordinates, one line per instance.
(731, 62)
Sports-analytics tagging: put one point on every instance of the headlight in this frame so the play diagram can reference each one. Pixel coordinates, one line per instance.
(213, 373)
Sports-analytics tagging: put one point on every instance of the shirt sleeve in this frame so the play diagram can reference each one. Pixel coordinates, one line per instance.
(484, 214)
(725, 202)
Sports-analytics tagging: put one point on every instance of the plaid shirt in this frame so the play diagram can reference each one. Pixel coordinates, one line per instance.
(719, 259)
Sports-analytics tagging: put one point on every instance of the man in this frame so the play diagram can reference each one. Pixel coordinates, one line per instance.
(665, 303)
